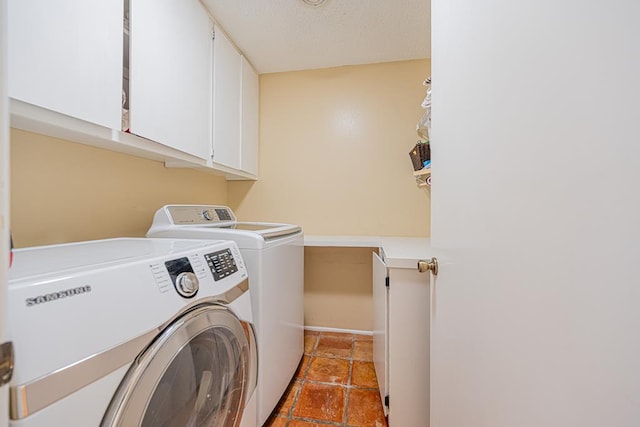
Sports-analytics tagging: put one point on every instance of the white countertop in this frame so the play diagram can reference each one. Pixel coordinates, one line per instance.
(399, 252)
(342, 241)
(404, 252)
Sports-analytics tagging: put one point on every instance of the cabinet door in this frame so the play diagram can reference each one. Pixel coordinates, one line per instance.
(408, 370)
(249, 129)
(66, 56)
(169, 74)
(380, 326)
(226, 102)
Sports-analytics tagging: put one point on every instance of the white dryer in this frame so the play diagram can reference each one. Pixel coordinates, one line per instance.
(274, 255)
(131, 332)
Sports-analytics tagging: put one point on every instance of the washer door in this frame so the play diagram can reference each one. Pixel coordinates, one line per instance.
(198, 372)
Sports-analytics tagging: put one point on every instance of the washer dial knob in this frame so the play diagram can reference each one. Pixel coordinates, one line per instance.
(187, 284)
(208, 214)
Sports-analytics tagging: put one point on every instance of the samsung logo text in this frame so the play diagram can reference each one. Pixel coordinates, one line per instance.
(54, 296)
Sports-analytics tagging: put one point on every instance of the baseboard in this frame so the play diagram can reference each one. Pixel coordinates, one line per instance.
(342, 331)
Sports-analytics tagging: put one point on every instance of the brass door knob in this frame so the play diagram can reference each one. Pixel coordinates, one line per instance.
(431, 265)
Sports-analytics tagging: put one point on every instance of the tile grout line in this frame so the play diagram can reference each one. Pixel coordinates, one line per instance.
(350, 387)
(303, 379)
(315, 421)
(347, 392)
(346, 387)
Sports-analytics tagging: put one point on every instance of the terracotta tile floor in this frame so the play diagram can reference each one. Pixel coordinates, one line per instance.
(335, 385)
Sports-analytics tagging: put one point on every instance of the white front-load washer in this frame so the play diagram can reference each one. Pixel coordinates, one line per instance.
(132, 332)
(274, 255)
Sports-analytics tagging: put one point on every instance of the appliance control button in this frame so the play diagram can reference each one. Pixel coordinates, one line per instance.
(208, 214)
(187, 284)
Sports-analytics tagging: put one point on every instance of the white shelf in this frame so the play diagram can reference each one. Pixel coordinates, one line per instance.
(35, 119)
(421, 177)
(231, 174)
(399, 252)
(422, 172)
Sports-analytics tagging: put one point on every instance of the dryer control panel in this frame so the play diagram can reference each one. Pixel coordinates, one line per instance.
(221, 264)
(212, 270)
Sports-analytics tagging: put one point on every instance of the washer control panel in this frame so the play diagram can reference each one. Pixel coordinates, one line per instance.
(221, 264)
(183, 277)
(198, 214)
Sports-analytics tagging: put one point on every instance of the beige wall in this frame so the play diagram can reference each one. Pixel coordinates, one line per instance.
(337, 285)
(334, 147)
(334, 158)
(64, 192)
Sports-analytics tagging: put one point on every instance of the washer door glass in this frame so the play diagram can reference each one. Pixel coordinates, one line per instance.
(196, 373)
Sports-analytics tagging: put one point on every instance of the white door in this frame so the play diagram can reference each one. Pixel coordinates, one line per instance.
(249, 118)
(227, 78)
(381, 326)
(536, 213)
(66, 56)
(170, 74)
(4, 199)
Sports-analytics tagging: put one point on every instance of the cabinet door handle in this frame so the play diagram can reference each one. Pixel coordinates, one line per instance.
(431, 265)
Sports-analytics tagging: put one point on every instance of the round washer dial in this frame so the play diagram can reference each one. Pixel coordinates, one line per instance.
(208, 214)
(187, 284)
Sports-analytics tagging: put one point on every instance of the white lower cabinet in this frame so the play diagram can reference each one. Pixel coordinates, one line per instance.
(401, 298)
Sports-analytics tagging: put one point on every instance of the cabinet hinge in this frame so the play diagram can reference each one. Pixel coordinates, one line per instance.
(213, 35)
(386, 281)
(386, 401)
(6, 362)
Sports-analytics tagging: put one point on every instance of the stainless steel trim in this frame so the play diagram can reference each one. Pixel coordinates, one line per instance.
(224, 298)
(252, 376)
(28, 398)
(282, 233)
(234, 293)
(6, 362)
(128, 408)
(25, 399)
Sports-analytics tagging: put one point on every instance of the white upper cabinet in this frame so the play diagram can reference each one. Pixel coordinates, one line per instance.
(66, 56)
(191, 100)
(227, 80)
(249, 128)
(170, 74)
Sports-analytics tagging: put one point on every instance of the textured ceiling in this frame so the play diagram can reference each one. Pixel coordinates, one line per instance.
(287, 35)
